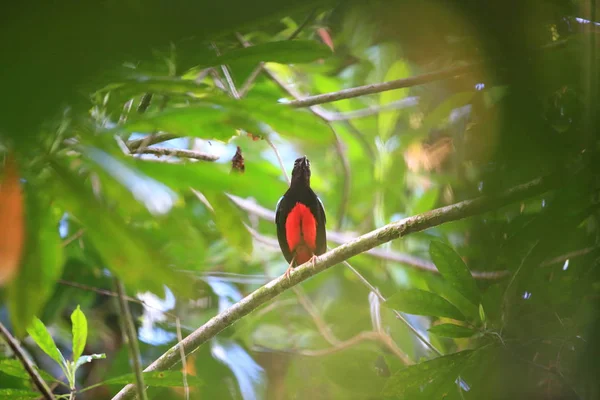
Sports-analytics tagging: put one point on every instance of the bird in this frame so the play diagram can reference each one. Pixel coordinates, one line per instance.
(300, 219)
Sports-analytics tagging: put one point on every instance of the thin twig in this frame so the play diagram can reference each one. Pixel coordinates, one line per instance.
(281, 165)
(73, 237)
(35, 376)
(353, 341)
(181, 153)
(357, 246)
(130, 333)
(568, 256)
(385, 86)
(312, 311)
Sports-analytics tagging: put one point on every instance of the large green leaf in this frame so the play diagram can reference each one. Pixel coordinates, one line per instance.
(455, 271)
(451, 331)
(18, 394)
(41, 265)
(283, 52)
(256, 181)
(229, 222)
(387, 120)
(421, 302)
(80, 332)
(14, 368)
(127, 254)
(414, 379)
(42, 338)
(203, 121)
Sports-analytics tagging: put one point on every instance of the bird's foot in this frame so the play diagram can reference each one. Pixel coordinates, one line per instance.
(289, 270)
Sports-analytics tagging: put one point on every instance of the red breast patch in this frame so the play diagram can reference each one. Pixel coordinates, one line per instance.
(301, 232)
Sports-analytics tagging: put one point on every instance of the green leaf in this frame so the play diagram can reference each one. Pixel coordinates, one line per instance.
(80, 332)
(202, 121)
(42, 262)
(411, 380)
(122, 248)
(451, 331)
(13, 368)
(42, 338)
(387, 120)
(482, 313)
(88, 358)
(420, 302)
(439, 116)
(18, 394)
(156, 378)
(283, 52)
(455, 271)
(228, 219)
(426, 202)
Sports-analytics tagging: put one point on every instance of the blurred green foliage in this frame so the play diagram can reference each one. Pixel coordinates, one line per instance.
(83, 82)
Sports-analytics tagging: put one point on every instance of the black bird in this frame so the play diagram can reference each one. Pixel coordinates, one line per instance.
(300, 219)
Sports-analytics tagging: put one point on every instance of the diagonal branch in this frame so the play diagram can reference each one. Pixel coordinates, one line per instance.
(359, 245)
(37, 379)
(384, 86)
(341, 238)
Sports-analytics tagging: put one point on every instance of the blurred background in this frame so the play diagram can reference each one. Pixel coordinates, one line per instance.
(119, 122)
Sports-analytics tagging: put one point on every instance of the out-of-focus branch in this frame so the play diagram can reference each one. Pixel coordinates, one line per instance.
(134, 145)
(384, 86)
(130, 333)
(353, 341)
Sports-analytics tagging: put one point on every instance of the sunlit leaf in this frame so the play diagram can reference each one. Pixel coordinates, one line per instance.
(42, 338)
(125, 253)
(202, 121)
(228, 219)
(451, 331)
(413, 379)
(455, 271)
(18, 394)
(420, 302)
(13, 367)
(156, 378)
(426, 202)
(80, 333)
(12, 221)
(42, 262)
(387, 120)
(284, 52)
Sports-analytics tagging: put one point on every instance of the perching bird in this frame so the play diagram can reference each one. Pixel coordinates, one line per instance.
(300, 219)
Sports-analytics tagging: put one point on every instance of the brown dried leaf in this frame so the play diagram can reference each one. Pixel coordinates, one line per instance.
(12, 233)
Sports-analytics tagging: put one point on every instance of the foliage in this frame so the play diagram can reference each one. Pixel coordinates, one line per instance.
(503, 296)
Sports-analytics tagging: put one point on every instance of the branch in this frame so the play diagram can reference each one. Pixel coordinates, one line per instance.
(383, 87)
(341, 238)
(134, 145)
(182, 153)
(27, 364)
(357, 246)
(134, 350)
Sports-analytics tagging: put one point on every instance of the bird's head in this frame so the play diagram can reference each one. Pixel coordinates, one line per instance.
(301, 172)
